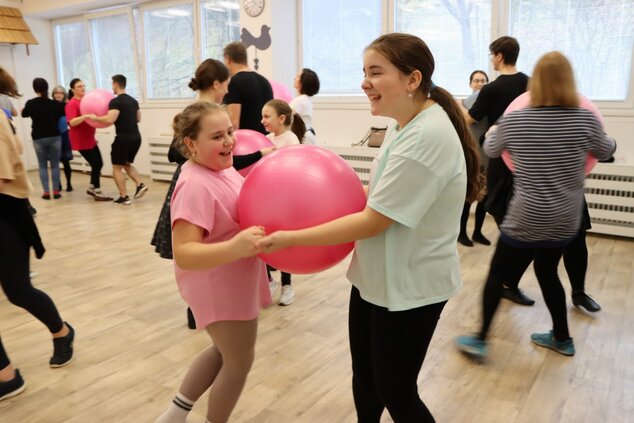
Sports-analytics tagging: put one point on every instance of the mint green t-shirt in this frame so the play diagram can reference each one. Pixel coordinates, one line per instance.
(418, 179)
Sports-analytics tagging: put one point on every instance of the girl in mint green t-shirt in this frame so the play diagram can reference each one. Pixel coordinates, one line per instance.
(405, 265)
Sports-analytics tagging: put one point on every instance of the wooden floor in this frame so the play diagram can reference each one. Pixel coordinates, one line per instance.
(133, 346)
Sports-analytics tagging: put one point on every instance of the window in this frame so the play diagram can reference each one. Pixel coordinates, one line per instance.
(169, 51)
(458, 33)
(74, 59)
(597, 37)
(112, 40)
(335, 32)
(220, 26)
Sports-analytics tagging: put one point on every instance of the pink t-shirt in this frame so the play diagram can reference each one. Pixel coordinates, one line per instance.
(234, 291)
(82, 136)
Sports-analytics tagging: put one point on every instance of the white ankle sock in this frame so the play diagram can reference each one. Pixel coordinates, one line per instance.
(177, 411)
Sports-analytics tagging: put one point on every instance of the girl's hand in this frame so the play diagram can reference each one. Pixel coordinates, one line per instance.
(245, 241)
(268, 150)
(274, 242)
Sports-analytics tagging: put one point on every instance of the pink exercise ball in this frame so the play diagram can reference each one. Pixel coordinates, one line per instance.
(281, 91)
(247, 142)
(522, 101)
(97, 101)
(297, 187)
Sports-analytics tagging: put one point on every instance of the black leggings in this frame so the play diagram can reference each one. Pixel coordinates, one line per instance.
(93, 157)
(575, 261)
(504, 265)
(16, 282)
(480, 214)
(67, 171)
(286, 277)
(388, 349)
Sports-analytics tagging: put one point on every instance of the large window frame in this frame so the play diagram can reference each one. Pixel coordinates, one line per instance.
(500, 25)
(196, 46)
(127, 12)
(137, 22)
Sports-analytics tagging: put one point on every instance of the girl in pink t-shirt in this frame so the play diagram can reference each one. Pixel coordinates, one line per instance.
(217, 272)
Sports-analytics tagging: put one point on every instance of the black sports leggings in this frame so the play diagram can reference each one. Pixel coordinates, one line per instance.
(575, 261)
(68, 171)
(480, 214)
(93, 157)
(504, 265)
(16, 282)
(388, 349)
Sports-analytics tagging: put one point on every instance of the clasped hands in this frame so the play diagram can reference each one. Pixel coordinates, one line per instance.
(254, 241)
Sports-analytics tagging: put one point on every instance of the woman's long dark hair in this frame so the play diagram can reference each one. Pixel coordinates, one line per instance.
(409, 53)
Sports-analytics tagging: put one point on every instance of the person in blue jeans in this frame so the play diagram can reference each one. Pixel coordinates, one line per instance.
(47, 141)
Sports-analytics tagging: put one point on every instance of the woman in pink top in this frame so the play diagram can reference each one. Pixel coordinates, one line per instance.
(82, 138)
(217, 272)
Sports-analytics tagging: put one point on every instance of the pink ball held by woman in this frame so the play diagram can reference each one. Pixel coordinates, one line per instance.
(97, 101)
(298, 187)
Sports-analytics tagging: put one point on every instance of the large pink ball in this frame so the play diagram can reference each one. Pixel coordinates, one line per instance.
(281, 91)
(247, 142)
(97, 102)
(298, 187)
(523, 100)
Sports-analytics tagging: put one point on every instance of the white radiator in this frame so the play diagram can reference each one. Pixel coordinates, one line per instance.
(160, 167)
(610, 197)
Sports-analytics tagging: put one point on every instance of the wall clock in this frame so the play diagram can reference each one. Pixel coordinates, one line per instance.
(253, 8)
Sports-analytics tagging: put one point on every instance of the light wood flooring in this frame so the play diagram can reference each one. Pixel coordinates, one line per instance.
(133, 347)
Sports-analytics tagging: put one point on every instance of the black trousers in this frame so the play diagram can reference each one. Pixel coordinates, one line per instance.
(575, 261)
(504, 266)
(93, 157)
(16, 282)
(480, 214)
(388, 349)
(286, 277)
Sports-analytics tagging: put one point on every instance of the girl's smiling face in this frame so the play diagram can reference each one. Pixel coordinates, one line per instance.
(271, 121)
(213, 146)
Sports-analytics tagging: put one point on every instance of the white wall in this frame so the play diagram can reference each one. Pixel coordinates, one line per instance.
(40, 62)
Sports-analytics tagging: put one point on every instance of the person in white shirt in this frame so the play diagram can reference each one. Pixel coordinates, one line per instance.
(284, 129)
(307, 85)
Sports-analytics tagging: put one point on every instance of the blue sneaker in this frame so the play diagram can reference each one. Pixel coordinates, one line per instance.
(547, 340)
(472, 346)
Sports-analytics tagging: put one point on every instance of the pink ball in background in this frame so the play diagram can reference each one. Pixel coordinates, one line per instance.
(96, 102)
(298, 187)
(247, 142)
(522, 101)
(281, 91)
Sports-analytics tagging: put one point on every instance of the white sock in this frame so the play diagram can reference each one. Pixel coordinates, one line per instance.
(177, 411)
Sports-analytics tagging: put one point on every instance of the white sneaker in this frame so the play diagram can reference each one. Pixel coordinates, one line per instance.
(273, 286)
(287, 295)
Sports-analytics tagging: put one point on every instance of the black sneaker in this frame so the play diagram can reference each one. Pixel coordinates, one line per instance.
(63, 349)
(464, 240)
(140, 191)
(12, 387)
(123, 201)
(478, 237)
(584, 300)
(517, 296)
